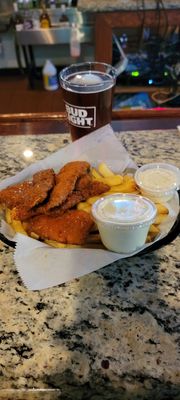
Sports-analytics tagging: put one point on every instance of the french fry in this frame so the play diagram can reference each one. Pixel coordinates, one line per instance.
(88, 208)
(107, 177)
(128, 178)
(95, 174)
(106, 193)
(18, 227)
(92, 200)
(127, 187)
(105, 170)
(159, 219)
(161, 209)
(83, 205)
(113, 180)
(8, 216)
(152, 233)
(149, 238)
(59, 245)
(154, 229)
(53, 243)
(34, 235)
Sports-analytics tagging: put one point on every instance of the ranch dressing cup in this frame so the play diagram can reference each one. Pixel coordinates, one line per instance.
(87, 92)
(123, 221)
(158, 181)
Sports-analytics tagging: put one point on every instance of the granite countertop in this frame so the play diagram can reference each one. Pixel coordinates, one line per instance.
(126, 5)
(112, 334)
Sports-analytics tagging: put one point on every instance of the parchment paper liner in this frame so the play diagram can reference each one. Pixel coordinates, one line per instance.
(41, 266)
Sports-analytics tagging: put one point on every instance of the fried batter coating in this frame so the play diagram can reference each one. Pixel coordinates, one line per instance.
(84, 189)
(45, 177)
(65, 183)
(78, 167)
(14, 195)
(94, 189)
(72, 227)
(83, 182)
(28, 194)
(43, 182)
(89, 188)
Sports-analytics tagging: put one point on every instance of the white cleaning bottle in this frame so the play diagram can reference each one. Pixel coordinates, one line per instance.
(50, 76)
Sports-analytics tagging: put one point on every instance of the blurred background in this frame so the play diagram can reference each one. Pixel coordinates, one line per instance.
(63, 32)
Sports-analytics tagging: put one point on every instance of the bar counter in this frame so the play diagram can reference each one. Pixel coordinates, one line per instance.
(112, 334)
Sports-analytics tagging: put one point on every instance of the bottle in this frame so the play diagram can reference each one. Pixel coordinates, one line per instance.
(64, 21)
(52, 4)
(50, 76)
(44, 19)
(28, 21)
(35, 19)
(75, 47)
(17, 19)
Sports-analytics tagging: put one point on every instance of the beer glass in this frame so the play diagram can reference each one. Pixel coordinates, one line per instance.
(87, 92)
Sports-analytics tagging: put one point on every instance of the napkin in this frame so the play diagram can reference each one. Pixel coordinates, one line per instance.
(41, 266)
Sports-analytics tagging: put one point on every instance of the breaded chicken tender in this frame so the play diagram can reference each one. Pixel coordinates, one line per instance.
(28, 194)
(14, 195)
(84, 189)
(72, 227)
(65, 182)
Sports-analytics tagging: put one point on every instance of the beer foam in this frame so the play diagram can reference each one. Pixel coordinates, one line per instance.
(89, 82)
(86, 79)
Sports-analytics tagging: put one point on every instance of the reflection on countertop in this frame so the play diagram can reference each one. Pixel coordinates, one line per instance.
(112, 334)
(126, 5)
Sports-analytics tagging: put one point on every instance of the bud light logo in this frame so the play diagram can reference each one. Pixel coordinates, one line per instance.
(82, 117)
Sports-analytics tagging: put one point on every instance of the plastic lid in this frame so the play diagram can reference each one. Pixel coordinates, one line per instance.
(124, 209)
(158, 177)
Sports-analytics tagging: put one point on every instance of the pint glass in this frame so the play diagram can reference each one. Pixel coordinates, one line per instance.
(87, 92)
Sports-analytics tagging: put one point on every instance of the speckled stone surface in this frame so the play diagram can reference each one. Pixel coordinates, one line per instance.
(115, 5)
(113, 334)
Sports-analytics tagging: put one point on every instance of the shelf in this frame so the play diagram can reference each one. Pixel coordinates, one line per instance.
(52, 36)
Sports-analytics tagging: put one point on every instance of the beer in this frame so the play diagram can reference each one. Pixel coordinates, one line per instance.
(88, 99)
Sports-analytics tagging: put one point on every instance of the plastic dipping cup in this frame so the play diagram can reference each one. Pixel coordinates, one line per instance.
(123, 221)
(87, 92)
(158, 181)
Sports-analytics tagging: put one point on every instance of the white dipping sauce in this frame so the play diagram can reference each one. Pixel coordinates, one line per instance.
(123, 221)
(158, 181)
(158, 178)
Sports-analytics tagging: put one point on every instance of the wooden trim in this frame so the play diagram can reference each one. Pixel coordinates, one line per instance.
(25, 117)
(146, 114)
(60, 117)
